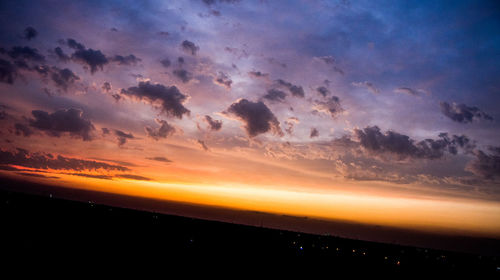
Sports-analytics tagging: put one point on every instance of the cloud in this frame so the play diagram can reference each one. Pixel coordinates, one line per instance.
(165, 130)
(239, 53)
(256, 116)
(406, 90)
(161, 159)
(62, 121)
(486, 165)
(126, 60)
(133, 177)
(165, 62)
(74, 44)
(290, 123)
(63, 78)
(22, 129)
(214, 125)
(170, 99)
(224, 80)
(61, 55)
(189, 47)
(275, 95)
(330, 61)
(8, 72)
(25, 158)
(106, 86)
(93, 58)
(323, 91)
(462, 113)
(203, 145)
(400, 145)
(26, 53)
(182, 74)
(30, 33)
(314, 133)
(122, 137)
(105, 131)
(368, 86)
(296, 91)
(331, 107)
(258, 74)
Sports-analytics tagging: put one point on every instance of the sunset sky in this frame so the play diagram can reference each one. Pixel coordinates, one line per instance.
(379, 112)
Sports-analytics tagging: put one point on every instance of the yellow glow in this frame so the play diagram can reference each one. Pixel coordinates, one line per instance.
(444, 215)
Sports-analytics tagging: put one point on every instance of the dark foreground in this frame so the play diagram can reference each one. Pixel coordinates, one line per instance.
(49, 231)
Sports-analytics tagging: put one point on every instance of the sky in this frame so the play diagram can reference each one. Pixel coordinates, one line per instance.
(378, 112)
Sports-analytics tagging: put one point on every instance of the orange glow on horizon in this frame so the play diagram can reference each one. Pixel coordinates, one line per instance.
(446, 215)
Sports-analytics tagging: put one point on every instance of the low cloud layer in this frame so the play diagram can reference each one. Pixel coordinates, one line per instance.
(24, 158)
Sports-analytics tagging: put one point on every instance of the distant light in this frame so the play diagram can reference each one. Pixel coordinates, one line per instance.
(301, 248)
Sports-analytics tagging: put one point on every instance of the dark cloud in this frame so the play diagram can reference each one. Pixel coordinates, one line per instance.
(189, 47)
(133, 177)
(275, 95)
(486, 165)
(256, 116)
(454, 142)
(74, 44)
(323, 91)
(182, 74)
(36, 175)
(25, 158)
(23, 130)
(258, 74)
(26, 53)
(165, 62)
(213, 125)
(331, 106)
(314, 133)
(170, 98)
(95, 176)
(126, 60)
(106, 86)
(368, 86)
(122, 137)
(296, 91)
(165, 130)
(162, 159)
(180, 60)
(30, 33)
(63, 78)
(224, 80)
(402, 146)
(105, 131)
(8, 72)
(61, 121)
(92, 58)
(60, 54)
(462, 113)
